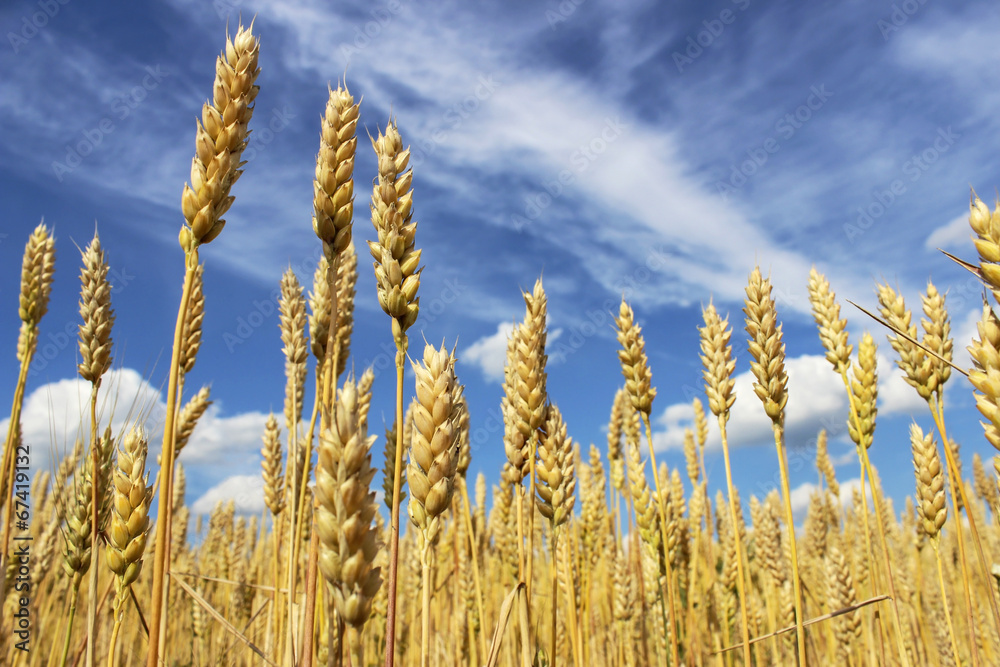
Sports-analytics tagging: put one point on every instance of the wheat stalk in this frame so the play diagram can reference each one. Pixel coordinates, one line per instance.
(861, 394)
(768, 352)
(95, 352)
(397, 277)
(433, 463)
(716, 356)
(220, 139)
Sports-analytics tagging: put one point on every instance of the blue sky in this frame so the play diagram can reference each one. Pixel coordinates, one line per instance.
(632, 147)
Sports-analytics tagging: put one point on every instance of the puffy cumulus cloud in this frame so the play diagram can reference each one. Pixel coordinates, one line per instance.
(222, 440)
(54, 415)
(490, 352)
(816, 399)
(246, 491)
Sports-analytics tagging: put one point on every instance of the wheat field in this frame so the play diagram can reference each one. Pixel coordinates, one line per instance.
(587, 556)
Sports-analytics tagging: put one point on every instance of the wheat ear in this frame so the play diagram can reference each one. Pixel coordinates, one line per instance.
(274, 498)
(464, 444)
(129, 522)
(348, 536)
(986, 368)
(77, 554)
(861, 395)
(556, 484)
(825, 465)
(531, 403)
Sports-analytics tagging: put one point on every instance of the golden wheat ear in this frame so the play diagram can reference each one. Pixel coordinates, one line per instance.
(220, 139)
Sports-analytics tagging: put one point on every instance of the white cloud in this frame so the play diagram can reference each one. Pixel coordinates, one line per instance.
(623, 156)
(490, 352)
(955, 233)
(56, 414)
(220, 440)
(816, 399)
(801, 496)
(246, 490)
